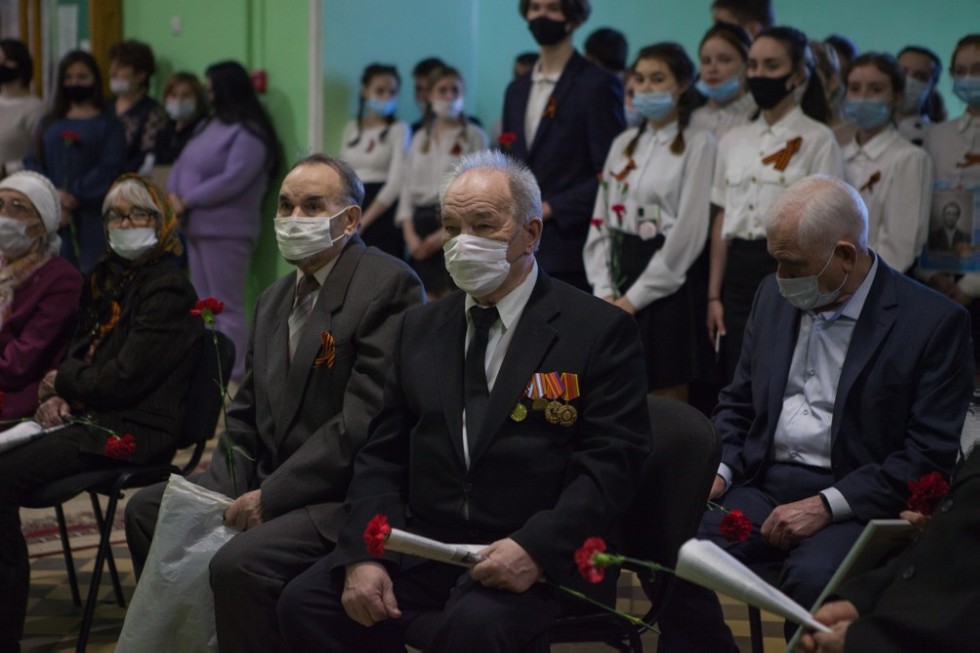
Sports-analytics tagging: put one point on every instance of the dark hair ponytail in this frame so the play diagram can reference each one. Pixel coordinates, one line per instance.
(370, 72)
(682, 68)
(814, 101)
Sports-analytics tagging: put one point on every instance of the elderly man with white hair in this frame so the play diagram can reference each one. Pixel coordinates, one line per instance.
(39, 291)
(853, 380)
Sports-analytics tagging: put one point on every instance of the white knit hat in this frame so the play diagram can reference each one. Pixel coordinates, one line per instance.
(44, 196)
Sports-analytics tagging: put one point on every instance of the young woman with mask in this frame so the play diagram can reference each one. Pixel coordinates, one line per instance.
(187, 107)
(446, 135)
(39, 291)
(831, 73)
(893, 176)
(216, 186)
(756, 162)
(127, 370)
(20, 110)
(651, 216)
(922, 105)
(81, 148)
(131, 65)
(374, 144)
(724, 51)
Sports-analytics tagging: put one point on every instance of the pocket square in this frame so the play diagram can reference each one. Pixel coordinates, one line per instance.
(328, 352)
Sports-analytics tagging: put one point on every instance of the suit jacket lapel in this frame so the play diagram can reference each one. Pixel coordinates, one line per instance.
(788, 328)
(876, 320)
(564, 86)
(329, 299)
(533, 337)
(448, 342)
(276, 348)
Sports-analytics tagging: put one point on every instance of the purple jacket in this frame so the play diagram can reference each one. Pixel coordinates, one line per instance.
(34, 337)
(220, 176)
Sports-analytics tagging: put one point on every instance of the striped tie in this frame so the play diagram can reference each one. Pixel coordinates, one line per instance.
(305, 292)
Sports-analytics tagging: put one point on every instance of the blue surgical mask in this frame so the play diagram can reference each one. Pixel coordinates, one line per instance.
(968, 90)
(868, 114)
(915, 96)
(722, 92)
(383, 108)
(633, 117)
(804, 292)
(654, 105)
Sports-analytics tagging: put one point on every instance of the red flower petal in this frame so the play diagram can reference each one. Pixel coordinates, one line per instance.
(596, 221)
(507, 138)
(376, 534)
(120, 448)
(927, 492)
(587, 566)
(206, 306)
(735, 526)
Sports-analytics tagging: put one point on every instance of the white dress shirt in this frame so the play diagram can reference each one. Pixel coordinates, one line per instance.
(721, 120)
(899, 201)
(745, 187)
(671, 190)
(915, 129)
(510, 308)
(542, 86)
(377, 161)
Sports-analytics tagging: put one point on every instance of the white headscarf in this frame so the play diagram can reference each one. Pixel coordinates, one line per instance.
(44, 196)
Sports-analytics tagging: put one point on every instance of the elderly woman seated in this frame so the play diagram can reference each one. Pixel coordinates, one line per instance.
(120, 392)
(39, 292)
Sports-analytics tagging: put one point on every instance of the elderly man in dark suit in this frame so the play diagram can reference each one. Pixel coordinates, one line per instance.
(853, 380)
(514, 417)
(563, 116)
(321, 344)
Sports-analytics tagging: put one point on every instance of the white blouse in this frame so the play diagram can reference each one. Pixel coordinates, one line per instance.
(720, 120)
(424, 170)
(745, 187)
(915, 129)
(665, 194)
(18, 118)
(894, 178)
(377, 161)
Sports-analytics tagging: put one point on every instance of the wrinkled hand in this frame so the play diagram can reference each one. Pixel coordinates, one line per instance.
(626, 305)
(50, 412)
(369, 595)
(836, 614)
(717, 487)
(716, 320)
(67, 200)
(792, 522)
(46, 388)
(176, 204)
(507, 567)
(246, 511)
(917, 519)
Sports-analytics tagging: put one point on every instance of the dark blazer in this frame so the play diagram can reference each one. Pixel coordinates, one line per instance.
(303, 423)
(34, 337)
(568, 151)
(939, 239)
(137, 380)
(545, 485)
(904, 389)
(928, 598)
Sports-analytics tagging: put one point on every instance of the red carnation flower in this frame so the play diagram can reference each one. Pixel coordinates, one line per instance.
(120, 448)
(619, 210)
(376, 534)
(927, 492)
(596, 221)
(208, 308)
(507, 139)
(735, 526)
(591, 569)
(70, 137)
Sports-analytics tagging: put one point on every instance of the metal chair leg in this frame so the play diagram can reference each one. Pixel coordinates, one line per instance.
(100, 560)
(69, 559)
(755, 630)
(105, 526)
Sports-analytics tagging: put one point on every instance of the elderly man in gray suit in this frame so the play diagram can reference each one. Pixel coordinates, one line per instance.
(320, 346)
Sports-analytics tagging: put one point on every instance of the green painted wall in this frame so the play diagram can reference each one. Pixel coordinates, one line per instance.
(269, 34)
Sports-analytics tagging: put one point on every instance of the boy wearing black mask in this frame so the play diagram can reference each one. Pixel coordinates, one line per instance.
(562, 118)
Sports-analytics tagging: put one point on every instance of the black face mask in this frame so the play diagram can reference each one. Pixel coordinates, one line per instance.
(8, 74)
(78, 94)
(768, 91)
(547, 31)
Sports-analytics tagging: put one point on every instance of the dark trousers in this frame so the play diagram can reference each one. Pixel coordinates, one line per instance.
(474, 618)
(693, 619)
(748, 263)
(247, 574)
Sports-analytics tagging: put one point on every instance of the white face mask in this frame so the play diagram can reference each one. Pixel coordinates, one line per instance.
(132, 243)
(477, 265)
(120, 86)
(181, 110)
(448, 109)
(14, 241)
(804, 292)
(300, 238)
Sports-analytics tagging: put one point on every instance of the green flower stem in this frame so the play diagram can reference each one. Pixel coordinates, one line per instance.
(81, 419)
(636, 621)
(230, 452)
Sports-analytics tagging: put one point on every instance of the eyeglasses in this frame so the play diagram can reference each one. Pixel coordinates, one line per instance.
(137, 217)
(17, 209)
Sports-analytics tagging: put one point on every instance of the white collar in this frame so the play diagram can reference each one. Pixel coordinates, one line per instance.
(510, 306)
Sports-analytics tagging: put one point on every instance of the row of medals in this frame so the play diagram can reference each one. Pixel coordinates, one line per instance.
(554, 411)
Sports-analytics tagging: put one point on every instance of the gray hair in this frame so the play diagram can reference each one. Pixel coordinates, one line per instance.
(132, 191)
(828, 210)
(350, 184)
(525, 195)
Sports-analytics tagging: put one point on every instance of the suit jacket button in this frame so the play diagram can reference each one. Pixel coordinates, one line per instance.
(946, 505)
(908, 572)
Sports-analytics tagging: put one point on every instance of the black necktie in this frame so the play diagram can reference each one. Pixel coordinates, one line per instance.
(475, 374)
